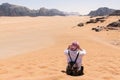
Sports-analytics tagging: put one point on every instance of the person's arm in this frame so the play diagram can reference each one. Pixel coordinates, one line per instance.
(82, 52)
(66, 51)
(79, 48)
(69, 47)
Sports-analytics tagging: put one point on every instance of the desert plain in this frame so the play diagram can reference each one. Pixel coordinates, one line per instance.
(31, 48)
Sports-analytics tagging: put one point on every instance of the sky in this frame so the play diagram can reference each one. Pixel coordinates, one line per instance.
(81, 6)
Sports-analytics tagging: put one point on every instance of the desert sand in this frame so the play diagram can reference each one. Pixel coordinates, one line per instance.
(31, 48)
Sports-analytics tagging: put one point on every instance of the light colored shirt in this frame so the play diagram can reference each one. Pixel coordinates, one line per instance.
(73, 55)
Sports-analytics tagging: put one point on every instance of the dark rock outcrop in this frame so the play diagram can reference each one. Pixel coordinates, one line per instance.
(80, 24)
(91, 21)
(114, 24)
(100, 19)
(98, 28)
(103, 11)
(7, 9)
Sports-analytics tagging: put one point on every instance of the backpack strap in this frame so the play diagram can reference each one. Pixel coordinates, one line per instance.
(71, 58)
(76, 57)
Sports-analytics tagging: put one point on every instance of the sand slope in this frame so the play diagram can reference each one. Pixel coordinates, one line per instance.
(43, 40)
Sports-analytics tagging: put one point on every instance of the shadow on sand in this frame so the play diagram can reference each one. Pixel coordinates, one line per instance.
(63, 71)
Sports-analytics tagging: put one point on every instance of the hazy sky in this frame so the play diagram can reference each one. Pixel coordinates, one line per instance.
(81, 6)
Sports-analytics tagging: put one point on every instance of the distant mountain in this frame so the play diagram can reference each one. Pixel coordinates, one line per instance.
(115, 13)
(72, 13)
(7, 9)
(101, 11)
(50, 12)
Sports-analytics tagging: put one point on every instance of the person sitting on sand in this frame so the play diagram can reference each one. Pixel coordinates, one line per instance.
(74, 55)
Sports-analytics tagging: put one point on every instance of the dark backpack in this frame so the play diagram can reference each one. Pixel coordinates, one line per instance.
(71, 70)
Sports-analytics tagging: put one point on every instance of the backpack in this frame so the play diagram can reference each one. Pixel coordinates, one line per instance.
(71, 69)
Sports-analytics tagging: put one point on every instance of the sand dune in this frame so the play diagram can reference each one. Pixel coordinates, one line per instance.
(32, 48)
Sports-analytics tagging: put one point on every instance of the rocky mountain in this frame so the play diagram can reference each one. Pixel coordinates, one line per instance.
(7, 9)
(50, 12)
(115, 13)
(101, 11)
